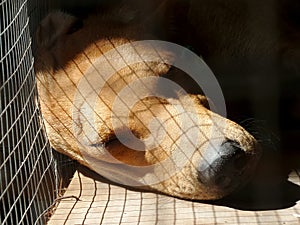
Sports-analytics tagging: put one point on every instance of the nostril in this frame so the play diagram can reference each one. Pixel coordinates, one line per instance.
(229, 148)
(224, 167)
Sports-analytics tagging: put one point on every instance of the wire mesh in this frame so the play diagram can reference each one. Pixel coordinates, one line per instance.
(27, 174)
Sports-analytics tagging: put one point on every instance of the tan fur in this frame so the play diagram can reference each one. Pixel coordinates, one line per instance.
(62, 60)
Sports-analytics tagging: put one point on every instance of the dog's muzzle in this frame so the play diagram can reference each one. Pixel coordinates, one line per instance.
(226, 167)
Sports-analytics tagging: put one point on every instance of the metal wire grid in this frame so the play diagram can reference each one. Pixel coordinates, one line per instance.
(91, 200)
(26, 162)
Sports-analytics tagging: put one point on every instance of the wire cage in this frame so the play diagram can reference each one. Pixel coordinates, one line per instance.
(28, 178)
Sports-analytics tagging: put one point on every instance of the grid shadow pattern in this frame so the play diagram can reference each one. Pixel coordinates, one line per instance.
(90, 200)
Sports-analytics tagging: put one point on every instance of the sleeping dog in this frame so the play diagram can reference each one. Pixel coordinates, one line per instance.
(166, 141)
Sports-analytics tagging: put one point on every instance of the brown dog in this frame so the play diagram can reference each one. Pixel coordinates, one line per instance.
(189, 151)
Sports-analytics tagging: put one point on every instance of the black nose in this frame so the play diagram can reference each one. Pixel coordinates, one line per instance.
(224, 168)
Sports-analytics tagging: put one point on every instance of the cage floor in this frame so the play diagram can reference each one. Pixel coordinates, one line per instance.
(91, 200)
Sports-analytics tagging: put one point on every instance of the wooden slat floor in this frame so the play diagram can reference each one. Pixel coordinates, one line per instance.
(99, 202)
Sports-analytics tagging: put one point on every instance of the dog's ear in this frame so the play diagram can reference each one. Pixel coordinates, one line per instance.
(56, 24)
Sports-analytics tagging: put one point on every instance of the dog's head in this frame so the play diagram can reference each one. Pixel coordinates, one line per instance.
(125, 126)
